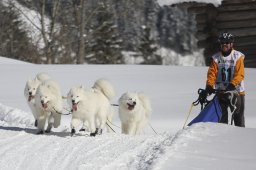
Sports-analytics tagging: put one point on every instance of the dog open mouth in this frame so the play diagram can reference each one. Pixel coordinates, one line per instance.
(44, 105)
(130, 106)
(30, 97)
(74, 106)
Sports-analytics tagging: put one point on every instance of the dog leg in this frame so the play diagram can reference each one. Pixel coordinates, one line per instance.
(73, 131)
(50, 123)
(57, 119)
(93, 128)
(83, 128)
(140, 126)
(74, 124)
(128, 128)
(99, 131)
(41, 124)
(91, 124)
(49, 127)
(36, 123)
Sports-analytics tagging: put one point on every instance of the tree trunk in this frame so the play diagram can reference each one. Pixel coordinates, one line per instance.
(81, 52)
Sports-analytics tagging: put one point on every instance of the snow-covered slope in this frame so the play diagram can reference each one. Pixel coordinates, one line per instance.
(202, 146)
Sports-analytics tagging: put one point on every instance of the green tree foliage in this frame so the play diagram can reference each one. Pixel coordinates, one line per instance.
(105, 44)
(14, 40)
(148, 48)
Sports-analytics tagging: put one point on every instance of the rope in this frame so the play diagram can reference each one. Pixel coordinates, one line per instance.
(153, 129)
(70, 112)
(232, 104)
(188, 115)
(113, 124)
(110, 127)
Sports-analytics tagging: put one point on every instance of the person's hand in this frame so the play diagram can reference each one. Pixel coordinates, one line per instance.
(202, 96)
(209, 89)
(230, 87)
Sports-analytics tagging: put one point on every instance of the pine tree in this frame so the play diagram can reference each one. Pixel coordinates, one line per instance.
(105, 45)
(14, 40)
(148, 48)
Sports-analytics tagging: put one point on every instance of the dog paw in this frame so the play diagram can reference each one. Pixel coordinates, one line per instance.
(98, 131)
(94, 133)
(73, 131)
(36, 123)
(40, 132)
(82, 130)
(47, 131)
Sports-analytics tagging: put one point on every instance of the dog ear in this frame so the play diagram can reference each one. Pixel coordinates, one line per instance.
(29, 80)
(36, 79)
(82, 87)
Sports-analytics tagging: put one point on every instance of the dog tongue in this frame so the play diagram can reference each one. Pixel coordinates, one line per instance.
(130, 107)
(30, 98)
(44, 105)
(74, 107)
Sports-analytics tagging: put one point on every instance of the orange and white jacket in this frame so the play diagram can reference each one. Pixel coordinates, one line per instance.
(225, 70)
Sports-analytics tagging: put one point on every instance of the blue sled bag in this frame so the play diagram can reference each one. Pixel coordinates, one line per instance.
(210, 113)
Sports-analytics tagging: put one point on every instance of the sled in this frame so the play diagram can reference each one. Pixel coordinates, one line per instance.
(210, 113)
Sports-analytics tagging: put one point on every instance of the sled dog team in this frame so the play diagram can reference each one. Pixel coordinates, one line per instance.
(90, 107)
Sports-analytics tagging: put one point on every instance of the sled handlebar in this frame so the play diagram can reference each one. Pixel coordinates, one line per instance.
(215, 91)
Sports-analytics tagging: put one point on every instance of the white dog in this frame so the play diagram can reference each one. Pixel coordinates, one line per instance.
(48, 102)
(91, 106)
(30, 91)
(134, 112)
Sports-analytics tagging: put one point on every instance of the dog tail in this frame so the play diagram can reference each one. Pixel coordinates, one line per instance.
(105, 87)
(42, 77)
(146, 103)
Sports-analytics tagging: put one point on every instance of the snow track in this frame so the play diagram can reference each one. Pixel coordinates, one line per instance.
(58, 150)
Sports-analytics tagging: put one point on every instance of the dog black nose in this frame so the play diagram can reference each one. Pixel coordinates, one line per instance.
(73, 101)
(134, 103)
(30, 93)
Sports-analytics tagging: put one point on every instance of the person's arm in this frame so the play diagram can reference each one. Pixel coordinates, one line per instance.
(212, 74)
(238, 72)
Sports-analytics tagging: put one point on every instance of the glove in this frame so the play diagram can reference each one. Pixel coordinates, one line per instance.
(203, 93)
(209, 90)
(230, 87)
(202, 96)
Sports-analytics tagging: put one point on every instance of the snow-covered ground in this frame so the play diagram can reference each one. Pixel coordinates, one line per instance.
(172, 89)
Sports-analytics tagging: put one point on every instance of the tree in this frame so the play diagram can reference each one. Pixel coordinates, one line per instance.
(148, 48)
(14, 40)
(105, 44)
(50, 33)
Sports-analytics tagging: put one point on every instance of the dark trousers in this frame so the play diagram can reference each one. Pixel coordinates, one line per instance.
(238, 113)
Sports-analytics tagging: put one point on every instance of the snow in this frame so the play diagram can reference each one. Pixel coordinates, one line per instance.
(170, 2)
(172, 89)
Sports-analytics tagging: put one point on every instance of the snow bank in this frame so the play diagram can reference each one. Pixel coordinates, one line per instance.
(15, 117)
(4, 60)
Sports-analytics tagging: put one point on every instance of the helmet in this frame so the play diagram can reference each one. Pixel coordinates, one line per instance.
(226, 37)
